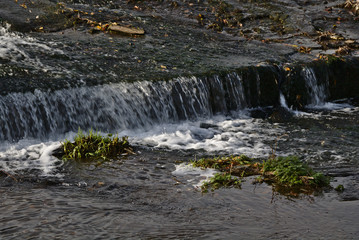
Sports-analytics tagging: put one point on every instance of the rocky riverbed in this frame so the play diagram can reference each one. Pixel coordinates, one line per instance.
(184, 80)
(180, 37)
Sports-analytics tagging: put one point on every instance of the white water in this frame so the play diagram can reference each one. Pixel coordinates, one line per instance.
(156, 114)
(248, 136)
(30, 156)
(226, 136)
(193, 175)
(112, 107)
(319, 92)
(24, 50)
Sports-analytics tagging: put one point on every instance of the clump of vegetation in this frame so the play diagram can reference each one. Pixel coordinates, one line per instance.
(95, 146)
(339, 188)
(223, 163)
(221, 180)
(288, 175)
(290, 171)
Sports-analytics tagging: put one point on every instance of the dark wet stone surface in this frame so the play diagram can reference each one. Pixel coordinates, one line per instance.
(178, 42)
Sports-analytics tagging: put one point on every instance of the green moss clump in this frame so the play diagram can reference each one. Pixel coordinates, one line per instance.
(220, 180)
(222, 163)
(288, 175)
(339, 188)
(95, 146)
(290, 171)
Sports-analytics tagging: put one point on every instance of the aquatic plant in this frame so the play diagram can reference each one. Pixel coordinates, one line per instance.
(95, 146)
(220, 180)
(339, 188)
(288, 175)
(290, 171)
(222, 163)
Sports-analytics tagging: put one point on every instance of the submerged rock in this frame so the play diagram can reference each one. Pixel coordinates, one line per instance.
(207, 125)
(281, 114)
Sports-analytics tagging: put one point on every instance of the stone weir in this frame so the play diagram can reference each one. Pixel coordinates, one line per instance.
(112, 65)
(141, 104)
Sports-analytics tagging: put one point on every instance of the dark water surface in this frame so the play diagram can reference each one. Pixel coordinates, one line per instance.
(141, 199)
(149, 196)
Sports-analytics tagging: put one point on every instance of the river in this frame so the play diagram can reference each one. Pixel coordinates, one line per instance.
(50, 88)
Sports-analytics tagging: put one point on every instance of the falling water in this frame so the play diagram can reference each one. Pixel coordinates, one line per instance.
(116, 106)
(316, 91)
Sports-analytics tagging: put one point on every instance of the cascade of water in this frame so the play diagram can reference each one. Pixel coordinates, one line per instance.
(235, 92)
(317, 92)
(283, 102)
(116, 106)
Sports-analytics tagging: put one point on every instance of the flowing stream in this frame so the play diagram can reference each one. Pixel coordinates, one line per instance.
(154, 194)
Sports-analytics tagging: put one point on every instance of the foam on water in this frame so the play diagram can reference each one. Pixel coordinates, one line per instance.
(29, 156)
(216, 136)
(330, 106)
(219, 135)
(193, 175)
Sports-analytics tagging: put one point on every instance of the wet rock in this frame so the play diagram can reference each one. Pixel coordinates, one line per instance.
(7, 179)
(262, 113)
(343, 77)
(281, 114)
(41, 15)
(19, 17)
(207, 125)
(179, 41)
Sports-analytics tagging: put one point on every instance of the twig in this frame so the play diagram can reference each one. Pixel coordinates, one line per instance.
(177, 181)
(9, 175)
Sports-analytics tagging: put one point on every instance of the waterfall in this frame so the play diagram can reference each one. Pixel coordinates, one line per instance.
(283, 102)
(142, 104)
(317, 91)
(117, 106)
